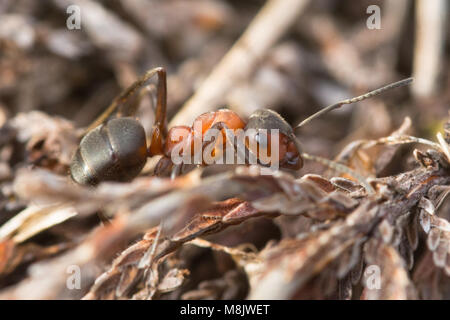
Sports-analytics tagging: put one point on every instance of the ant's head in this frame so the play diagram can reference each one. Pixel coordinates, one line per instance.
(289, 147)
(267, 124)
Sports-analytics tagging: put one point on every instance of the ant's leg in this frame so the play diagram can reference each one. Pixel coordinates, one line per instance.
(161, 104)
(149, 89)
(163, 167)
(103, 218)
(159, 131)
(176, 170)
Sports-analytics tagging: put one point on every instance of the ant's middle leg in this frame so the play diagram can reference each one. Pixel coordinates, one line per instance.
(165, 167)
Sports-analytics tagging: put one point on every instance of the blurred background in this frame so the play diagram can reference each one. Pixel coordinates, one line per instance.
(293, 56)
(326, 53)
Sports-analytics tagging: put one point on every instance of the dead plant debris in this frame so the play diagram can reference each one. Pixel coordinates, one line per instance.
(227, 232)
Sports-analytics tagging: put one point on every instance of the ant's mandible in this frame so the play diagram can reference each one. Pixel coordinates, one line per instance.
(115, 148)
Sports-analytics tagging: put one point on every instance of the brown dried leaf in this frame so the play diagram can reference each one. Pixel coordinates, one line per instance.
(393, 282)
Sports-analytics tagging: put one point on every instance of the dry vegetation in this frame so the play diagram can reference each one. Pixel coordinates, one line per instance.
(228, 232)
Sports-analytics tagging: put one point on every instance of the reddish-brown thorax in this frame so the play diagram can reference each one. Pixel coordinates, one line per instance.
(185, 134)
(289, 156)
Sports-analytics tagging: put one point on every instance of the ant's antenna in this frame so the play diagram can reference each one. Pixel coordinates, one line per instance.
(370, 94)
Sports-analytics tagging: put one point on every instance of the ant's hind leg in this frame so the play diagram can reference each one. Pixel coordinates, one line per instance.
(161, 104)
(159, 131)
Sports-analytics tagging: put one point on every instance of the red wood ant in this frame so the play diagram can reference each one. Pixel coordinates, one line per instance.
(115, 149)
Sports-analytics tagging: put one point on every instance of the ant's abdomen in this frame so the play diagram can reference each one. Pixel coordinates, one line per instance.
(115, 151)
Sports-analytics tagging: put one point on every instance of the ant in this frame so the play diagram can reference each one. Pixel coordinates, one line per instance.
(114, 147)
